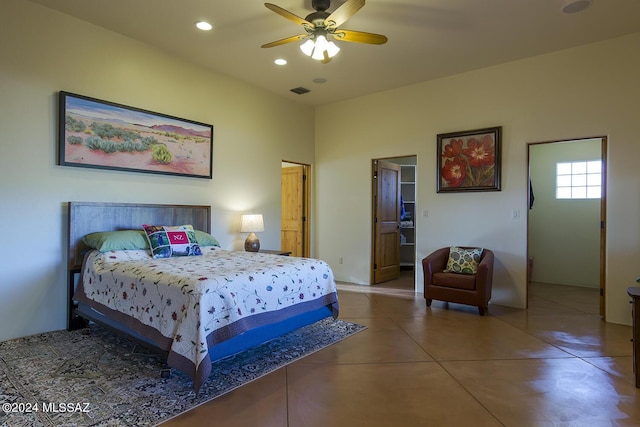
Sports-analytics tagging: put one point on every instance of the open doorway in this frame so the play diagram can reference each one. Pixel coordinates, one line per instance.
(393, 249)
(566, 218)
(296, 201)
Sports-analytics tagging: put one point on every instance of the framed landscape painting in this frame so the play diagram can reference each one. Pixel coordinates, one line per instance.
(99, 134)
(469, 160)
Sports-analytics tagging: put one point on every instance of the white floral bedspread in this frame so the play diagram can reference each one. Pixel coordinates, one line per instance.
(200, 300)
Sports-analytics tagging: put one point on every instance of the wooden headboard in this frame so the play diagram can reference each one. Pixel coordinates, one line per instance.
(89, 217)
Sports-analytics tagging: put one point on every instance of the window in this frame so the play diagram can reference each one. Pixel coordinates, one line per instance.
(579, 180)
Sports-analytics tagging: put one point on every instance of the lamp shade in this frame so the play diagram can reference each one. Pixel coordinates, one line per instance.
(307, 47)
(252, 223)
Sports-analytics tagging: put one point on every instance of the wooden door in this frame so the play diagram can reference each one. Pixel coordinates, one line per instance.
(293, 214)
(386, 221)
(603, 230)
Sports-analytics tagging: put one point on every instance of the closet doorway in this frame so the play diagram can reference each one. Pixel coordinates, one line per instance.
(393, 231)
(296, 197)
(566, 221)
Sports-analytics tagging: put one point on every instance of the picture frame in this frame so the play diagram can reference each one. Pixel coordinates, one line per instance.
(93, 133)
(469, 160)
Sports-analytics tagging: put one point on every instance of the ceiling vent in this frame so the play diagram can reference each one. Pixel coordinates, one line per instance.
(300, 90)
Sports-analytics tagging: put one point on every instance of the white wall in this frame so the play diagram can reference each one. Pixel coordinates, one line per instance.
(564, 235)
(43, 52)
(587, 91)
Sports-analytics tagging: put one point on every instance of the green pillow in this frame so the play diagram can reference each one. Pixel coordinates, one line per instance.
(120, 240)
(205, 239)
(123, 240)
(463, 261)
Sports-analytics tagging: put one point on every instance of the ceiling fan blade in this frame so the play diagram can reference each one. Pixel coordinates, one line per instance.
(359, 37)
(284, 41)
(290, 16)
(344, 12)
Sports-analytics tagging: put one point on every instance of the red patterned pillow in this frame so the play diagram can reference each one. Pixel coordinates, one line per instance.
(169, 241)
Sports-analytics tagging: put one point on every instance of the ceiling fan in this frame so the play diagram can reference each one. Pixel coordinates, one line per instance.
(320, 26)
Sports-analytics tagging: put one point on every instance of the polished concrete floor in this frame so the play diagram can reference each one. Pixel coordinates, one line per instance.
(555, 364)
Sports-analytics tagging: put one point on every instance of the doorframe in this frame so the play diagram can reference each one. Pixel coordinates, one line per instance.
(373, 219)
(603, 215)
(374, 189)
(306, 206)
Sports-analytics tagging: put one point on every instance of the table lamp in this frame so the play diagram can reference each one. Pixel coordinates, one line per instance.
(252, 224)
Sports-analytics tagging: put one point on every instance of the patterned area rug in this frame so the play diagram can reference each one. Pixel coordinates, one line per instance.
(97, 378)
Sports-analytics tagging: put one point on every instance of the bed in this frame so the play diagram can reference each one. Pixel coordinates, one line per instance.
(194, 309)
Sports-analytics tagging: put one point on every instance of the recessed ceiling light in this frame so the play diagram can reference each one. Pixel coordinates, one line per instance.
(281, 61)
(319, 80)
(575, 6)
(204, 26)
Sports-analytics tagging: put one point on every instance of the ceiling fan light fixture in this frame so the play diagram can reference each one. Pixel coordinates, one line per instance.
(316, 48)
(321, 45)
(307, 47)
(332, 49)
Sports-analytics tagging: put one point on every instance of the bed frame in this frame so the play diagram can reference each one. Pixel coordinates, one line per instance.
(88, 217)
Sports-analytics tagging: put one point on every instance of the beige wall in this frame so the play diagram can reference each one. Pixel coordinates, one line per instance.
(43, 52)
(588, 91)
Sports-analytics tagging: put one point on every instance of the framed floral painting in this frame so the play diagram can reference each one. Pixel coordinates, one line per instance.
(469, 160)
